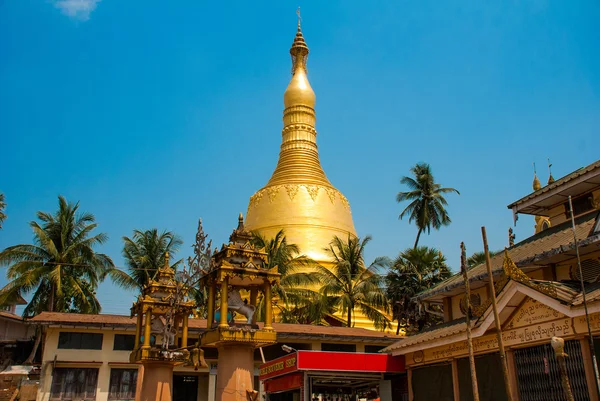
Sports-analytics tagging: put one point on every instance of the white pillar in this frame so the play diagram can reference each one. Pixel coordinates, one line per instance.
(212, 385)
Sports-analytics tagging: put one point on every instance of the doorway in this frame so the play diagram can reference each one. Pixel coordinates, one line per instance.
(185, 388)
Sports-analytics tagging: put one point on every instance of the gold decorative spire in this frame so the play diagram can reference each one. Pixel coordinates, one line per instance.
(299, 156)
(536, 181)
(550, 177)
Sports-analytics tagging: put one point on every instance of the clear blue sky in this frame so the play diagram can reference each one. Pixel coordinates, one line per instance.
(154, 114)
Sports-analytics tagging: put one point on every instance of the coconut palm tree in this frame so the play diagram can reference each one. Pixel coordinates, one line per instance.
(478, 258)
(61, 268)
(145, 253)
(427, 202)
(297, 300)
(414, 271)
(2, 209)
(351, 285)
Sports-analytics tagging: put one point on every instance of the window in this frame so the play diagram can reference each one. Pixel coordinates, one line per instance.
(580, 205)
(122, 384)
(124, 342)
(338, 347)
(373, 349)
(68, 340)
(74, 384)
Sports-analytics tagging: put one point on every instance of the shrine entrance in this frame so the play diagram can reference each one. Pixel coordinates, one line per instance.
(185, 388)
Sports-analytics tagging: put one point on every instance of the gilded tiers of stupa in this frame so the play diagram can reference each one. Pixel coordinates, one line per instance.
(299, 198)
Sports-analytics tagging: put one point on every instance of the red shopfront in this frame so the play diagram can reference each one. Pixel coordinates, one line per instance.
(334, 376)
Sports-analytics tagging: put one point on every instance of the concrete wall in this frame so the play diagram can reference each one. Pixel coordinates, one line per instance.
(106, 359)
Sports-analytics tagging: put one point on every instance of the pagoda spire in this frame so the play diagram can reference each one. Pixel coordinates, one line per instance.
(299, 157)
(536, 181)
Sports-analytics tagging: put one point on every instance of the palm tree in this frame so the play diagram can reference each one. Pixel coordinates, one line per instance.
(2, 209)
(478, 258)
(414, 271)
(351, 285)
(300, 303)
(61, 268)
(145, 253)
(427, 203)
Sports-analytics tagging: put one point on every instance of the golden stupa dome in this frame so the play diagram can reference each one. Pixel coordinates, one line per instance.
(299, 91)
(299, 198)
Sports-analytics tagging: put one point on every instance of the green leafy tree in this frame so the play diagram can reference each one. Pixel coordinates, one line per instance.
(145, 253)
(351, 285)
(427, 207)
(61, 269)
(295, 296)
(478, 258)
(413, 271)
(2, 209)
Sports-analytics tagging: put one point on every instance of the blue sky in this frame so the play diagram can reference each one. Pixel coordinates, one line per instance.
(154, 115)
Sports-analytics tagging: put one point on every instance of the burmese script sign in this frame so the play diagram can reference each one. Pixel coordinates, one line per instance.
(543, 331)
(532, 312)
(580, 323)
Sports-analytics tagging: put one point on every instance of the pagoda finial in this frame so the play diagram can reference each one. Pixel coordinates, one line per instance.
(299, 49)
(240, 222)
(550, 177)
(167, 260)
(536, 182)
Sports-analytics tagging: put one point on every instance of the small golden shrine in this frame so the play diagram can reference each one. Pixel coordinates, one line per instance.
(162, 310)
(239, 268)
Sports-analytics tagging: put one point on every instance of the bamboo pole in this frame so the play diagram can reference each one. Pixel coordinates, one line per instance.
(503, 360)
(463, 268)
(558, 344)
(583, 293)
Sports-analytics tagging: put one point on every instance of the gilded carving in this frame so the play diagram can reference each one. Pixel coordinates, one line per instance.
(345, 201)
(313, 191)
(331, 193)
(273, 191)
(512, 271)
(292, 190)
(255, 199)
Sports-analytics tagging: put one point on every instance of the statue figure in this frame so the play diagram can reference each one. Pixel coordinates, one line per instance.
(166, 328)
(511, 237)
(236, 304)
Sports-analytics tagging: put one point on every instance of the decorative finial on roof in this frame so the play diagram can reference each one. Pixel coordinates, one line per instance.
(511, 237)
(536, 182)
(167, 260)
(299, 49)
(240, 222)
(550, 178)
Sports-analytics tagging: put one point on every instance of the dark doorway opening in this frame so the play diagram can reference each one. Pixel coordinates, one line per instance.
(185, 388)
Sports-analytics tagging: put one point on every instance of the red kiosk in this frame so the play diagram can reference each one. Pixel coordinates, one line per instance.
(334, 376)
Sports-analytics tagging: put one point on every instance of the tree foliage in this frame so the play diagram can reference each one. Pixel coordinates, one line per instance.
(295, 296)
(413, 271)
(350, 285)
(2, 209)
(61, 268)
(427, 207)
(145, 253)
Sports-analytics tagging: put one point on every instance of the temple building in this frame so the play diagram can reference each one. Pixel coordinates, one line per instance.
(299, 197)
(539, 295)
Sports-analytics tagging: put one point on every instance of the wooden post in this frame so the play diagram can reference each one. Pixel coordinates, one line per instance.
(463, 268)
(147, 328)
(512, 374)
(589, 369)
(411, 395)
(210, 313)
(455, 386)
(268, 307)
(558, 344)
(492, 294)
(223, 321)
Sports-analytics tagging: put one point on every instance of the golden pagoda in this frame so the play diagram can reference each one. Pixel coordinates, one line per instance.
(299, 198)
